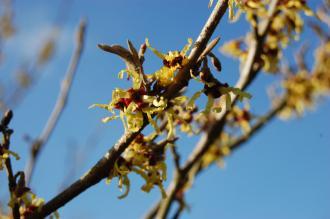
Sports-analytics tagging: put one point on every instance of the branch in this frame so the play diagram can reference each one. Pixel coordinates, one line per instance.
(176, 158)
(323, 14)
(5, 145)
(300, 57)
(105, 165)
(236, 144)
(179, 211)
(153, 210)
(184, 75)
(259, 125)
(60, 103)
(247, 75)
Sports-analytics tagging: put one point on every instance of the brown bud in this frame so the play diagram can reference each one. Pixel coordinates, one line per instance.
(216, 62)
(7, 118)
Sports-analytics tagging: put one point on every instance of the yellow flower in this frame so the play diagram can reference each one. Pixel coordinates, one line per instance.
(4, 155)
(240, 118)
(235, 49)
(172, 61)
(301, 94)
(217, 151)
(145, 158)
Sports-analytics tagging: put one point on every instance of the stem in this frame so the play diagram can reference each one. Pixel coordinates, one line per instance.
(61, 102)
(247, 75)
(10, 173)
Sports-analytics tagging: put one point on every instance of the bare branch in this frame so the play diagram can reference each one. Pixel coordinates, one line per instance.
(60, 103)
(323, 14)
(176, 158)
(179, 211)
(152, 211)
(300, 57)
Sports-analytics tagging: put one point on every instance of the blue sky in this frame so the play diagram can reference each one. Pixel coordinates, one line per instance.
(283, 172)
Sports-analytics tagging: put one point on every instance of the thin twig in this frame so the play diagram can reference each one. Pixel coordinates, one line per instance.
(264, 120)
(60, 103)
(323, 14)
(300, 57)
(104, 166)
(152, 211)
(176, 158)
(179, 211)
(10, 173)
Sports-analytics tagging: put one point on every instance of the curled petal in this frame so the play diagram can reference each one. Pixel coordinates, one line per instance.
(155, 51)
(126, 182)
(109, 118)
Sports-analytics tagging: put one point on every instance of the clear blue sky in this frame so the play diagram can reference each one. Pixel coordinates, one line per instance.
(283, 172)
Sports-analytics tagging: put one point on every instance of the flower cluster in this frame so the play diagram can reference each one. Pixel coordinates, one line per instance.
(252, 8)
(145, 102)
(240, 118)
(217, 151)
(141, 101)
(6, 21)
(23, 196)
(146, 158)
(214, 89)
(303, 89)
(172, 61)
(300, 93)
(4, 155)
(30, 203)
(183, 117)
(286, 24)
(27, 201)
(269, 58)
